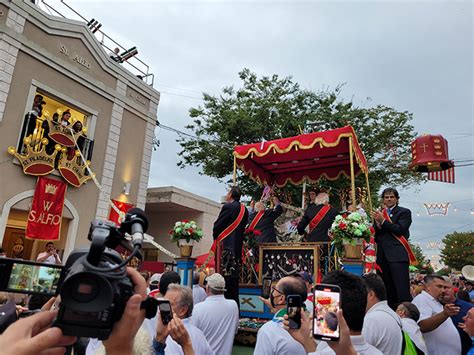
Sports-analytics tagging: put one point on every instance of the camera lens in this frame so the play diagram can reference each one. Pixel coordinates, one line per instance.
(87, 287)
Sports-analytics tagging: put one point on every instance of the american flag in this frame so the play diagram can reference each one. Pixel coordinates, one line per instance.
(443, 176)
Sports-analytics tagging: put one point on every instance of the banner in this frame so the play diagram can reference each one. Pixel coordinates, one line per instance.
(442, 176)
(123, 207)
(44, 218)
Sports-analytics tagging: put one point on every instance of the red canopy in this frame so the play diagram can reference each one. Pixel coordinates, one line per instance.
(305, 157)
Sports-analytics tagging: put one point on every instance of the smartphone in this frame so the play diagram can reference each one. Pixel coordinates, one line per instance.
(29, 277)
(293, 307)
(266, 287)
(327, 301)
(165, 311)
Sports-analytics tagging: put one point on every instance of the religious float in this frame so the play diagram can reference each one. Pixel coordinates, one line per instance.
(300, 160)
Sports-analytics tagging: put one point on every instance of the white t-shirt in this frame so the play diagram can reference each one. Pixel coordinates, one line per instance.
(200, 344)
(443, 340)
(358, 342)
(49, 260)
(273, 339)
(383, 328)
(218, 318)
(413, 330)
(199, 294)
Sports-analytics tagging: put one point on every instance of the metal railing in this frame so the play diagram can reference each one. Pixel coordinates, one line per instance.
(134, 64)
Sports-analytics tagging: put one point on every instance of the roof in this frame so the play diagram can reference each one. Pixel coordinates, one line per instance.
(307, 157)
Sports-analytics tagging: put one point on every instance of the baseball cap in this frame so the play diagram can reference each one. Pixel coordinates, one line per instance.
(216, 282)
(468, 272)
(306, 276)
(155, 278)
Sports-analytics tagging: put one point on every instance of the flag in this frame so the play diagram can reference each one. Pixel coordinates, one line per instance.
(443, 176)
(44, 218)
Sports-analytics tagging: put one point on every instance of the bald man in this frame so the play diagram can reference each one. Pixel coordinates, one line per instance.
(264, 220)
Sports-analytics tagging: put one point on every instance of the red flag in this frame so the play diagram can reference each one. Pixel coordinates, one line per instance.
(123, 207)
(44, 219)
(442, 176)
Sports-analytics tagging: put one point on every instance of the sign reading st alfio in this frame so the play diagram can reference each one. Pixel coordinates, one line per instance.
(76, 57)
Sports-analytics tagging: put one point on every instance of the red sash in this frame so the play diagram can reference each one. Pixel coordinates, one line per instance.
(319, 216)
(257, 219)
(402, 240)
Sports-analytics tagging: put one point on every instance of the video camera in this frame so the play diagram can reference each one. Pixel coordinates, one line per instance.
(94, 284)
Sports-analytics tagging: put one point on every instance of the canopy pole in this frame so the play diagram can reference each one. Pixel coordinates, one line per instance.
(368, 190)
(303, 194)
(234, 178)
(351, 161)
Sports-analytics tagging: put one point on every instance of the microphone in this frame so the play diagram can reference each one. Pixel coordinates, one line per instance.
(135, 223)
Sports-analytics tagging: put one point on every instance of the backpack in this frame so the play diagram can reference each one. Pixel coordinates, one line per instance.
(408, 346)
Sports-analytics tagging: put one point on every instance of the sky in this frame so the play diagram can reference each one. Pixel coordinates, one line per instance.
(414, 56)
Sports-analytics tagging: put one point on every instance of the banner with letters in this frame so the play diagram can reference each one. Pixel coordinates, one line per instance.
(44, 218)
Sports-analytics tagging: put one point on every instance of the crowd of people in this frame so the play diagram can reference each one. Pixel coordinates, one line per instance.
(388, 312)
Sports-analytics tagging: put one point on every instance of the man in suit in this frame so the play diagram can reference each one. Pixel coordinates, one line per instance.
(391, 233)
(319, 215)
(228, 233)
(264, 220)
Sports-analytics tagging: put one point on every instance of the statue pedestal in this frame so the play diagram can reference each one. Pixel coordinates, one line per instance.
(353, 266)
(185, 269)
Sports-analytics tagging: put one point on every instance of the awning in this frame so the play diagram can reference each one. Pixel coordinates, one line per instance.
(305, 157)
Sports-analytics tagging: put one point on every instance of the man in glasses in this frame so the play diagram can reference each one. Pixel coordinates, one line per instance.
(272, 338)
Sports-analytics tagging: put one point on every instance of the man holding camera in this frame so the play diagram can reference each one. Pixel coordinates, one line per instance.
(50, 256)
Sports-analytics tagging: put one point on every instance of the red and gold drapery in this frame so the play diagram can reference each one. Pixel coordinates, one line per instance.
(306, 157)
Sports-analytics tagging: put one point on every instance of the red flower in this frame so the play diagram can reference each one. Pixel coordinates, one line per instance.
(344, 215)
(185, 220)
(342, 225)
(372, 230)
(190, 230)
(256, 232)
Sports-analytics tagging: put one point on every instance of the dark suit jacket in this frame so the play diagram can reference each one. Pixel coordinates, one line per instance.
(228, 214)
(266, 225)
(386, 242)
(320, 233)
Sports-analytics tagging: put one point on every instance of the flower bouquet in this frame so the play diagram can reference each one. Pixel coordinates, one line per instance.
(250, 256)
(351, 229)
(187, 230)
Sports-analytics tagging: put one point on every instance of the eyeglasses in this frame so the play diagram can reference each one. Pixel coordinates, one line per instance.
(277, 290)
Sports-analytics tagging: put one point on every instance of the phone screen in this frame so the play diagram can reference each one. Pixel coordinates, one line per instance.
(326, 305)
(165, 312)
(30, 278)
(266, 288)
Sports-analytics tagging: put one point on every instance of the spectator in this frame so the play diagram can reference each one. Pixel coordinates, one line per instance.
(382, 326)
(353, 304)
(410, 315)
(181, 300)
(177, 331)
(469, 327)
(199, 294)
(308, 280)
(272, 338)
(50, 256)
(218, 327)
(464, 307)
(167, 278)
(439, 331)
(463, 295)
(154, 285)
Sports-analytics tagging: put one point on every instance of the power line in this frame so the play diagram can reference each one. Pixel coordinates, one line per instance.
(181, 133)
(444, 233)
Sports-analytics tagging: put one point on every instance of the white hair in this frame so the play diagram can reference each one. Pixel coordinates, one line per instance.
(322, 198)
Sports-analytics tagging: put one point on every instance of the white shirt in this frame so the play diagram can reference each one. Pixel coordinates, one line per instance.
(383, 328)
(200, 344)
(49, 260)
(218, 318)
(199, 294)
(359, 344)
(444, 339)
(273, 339)
(413, 330)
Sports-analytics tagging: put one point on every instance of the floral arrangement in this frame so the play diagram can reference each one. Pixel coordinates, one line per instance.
(348, 228)
(250, 238)
(186, 230)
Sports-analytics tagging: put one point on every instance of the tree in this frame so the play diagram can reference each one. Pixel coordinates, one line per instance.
(424, 264)
(458, 250)
(273, 107)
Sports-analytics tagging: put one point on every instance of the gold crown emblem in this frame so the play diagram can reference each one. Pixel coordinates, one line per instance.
(35, 160)
(73, 170)
(50, 189)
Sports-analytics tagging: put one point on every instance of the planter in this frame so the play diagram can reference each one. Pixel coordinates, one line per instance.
(185, 248)
(353, 251)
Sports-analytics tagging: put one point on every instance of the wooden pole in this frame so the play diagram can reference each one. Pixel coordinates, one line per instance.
(368, 191)
(235, 170)
(303, 194)
(351, 161)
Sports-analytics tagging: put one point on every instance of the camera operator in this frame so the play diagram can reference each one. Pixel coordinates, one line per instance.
(35, 334)
(50, 256)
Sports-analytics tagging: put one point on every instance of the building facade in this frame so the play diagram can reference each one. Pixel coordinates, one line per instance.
(54, 73)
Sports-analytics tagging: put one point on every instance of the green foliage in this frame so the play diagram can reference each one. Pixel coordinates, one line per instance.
(424, 265)
(270, 107)
(458, 250)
